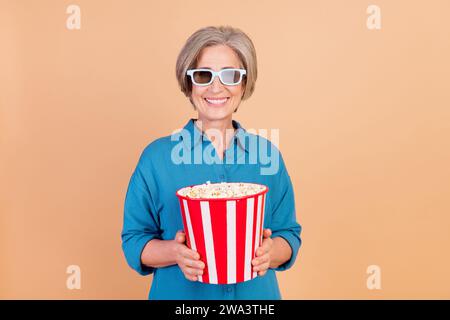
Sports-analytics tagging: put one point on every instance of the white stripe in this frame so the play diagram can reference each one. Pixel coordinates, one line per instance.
(231, 241)
(258, 226)
(190, 230)
(248, 239)
(263, 208)
(209, 242)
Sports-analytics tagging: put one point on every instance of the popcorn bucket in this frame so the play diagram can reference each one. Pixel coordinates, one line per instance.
(226, 233)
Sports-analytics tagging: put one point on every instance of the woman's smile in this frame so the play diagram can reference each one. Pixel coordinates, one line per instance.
(216, 102)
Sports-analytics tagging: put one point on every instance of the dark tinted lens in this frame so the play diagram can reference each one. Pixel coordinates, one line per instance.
(202, 76)
(231, 76)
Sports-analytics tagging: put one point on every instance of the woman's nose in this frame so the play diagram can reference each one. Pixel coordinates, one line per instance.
(216, 85)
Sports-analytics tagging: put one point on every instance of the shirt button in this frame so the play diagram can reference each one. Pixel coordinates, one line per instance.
(229, 289)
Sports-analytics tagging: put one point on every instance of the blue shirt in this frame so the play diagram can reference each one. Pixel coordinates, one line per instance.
(152, 210)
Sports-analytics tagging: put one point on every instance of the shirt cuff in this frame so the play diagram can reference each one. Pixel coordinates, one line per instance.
(138, 247)
(294, 242)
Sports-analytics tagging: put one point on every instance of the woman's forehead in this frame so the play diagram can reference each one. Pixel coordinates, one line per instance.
(218, 57)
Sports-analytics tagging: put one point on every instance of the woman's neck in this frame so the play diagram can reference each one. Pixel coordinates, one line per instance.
(219, 132)
(218, 125)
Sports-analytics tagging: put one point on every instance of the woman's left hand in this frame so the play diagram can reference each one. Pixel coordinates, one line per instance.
(263, 254)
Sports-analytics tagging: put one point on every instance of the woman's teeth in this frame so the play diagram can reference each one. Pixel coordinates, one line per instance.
(216, 101)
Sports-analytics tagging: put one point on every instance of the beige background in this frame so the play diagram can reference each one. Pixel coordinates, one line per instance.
(364, 125)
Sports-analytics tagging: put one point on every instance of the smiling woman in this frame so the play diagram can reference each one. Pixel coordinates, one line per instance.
(218, 48)
(216, 102)
(216, 69)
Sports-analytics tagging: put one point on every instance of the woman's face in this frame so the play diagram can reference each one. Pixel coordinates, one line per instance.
(217, 101)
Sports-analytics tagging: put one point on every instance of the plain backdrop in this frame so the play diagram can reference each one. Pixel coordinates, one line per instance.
(364, 126)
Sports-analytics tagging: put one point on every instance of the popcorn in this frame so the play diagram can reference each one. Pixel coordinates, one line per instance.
(221, 190)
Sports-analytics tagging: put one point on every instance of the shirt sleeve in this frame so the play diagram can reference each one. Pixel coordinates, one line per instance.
(141, 222)
(284, 222)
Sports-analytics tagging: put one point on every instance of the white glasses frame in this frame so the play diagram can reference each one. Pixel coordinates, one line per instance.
(190, 73)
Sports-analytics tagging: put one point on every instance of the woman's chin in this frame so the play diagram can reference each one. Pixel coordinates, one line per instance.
(215, 113)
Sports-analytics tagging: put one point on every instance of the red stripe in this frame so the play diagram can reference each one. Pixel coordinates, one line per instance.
(255, 216)
(197, 225)
(241, 221)
(186, 231)
(261, 228)
(218, 211)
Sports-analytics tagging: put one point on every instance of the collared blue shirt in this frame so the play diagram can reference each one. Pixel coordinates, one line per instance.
(152, 210)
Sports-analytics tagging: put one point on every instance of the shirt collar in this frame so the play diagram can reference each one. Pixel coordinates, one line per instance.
(197, 136)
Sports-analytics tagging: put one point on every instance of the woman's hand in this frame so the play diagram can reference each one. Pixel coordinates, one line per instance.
(188, 260)
(263, 254)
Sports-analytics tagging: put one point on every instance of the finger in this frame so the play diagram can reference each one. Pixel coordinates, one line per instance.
(261, 273)
(190, 254)
(261, 251)
(260, 260)
(192, 271)
(180, 237)
(191, 278)
(267, 244)
(267, 233)
(265, 248)
(194, 263)
(257, 261)
(180, 232)
(262, 267)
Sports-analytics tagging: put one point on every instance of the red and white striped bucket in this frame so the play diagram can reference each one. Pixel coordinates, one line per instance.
(226, 233)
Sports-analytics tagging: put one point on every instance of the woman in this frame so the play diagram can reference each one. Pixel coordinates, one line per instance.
(216, 69)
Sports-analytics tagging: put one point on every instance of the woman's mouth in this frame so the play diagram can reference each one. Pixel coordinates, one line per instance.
(216, 102)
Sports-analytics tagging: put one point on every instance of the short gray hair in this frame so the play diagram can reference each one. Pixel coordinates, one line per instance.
(211, 36)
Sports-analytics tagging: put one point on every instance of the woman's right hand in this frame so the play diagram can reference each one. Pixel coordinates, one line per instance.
(188, 260)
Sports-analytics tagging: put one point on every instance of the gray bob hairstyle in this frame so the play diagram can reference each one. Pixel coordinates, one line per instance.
(211, 36)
